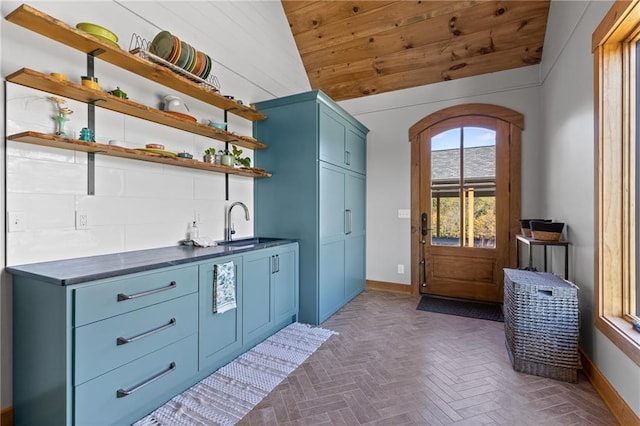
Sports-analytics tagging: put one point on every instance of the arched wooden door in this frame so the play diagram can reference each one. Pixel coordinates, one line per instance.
(465, 208)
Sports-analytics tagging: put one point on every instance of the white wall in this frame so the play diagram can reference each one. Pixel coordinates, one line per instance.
(137, 205)
(567, 172)
(389, 117)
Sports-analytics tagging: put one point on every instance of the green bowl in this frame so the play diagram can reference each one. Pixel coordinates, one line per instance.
(97, 30)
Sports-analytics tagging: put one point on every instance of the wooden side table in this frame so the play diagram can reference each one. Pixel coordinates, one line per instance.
(530, 242)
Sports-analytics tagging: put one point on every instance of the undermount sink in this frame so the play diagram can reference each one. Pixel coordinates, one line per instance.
(251, 241)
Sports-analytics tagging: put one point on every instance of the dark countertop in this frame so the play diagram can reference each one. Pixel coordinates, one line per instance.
(83, 269)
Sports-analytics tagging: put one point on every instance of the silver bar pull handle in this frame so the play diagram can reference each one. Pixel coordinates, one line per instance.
(277, 263)
(121, 393)
(214, 295)
(122, 296)
(125, 340)
(347, 158)
(347, 221)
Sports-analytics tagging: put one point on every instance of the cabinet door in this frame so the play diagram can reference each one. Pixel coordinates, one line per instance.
(220, 333)
(285, 284)
(331, 137)
(355, 266)
(332, 208)
(355, 204)
(331, 283)
(257, 296)
(356, 151)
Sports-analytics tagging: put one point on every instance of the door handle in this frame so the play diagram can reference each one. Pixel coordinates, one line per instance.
(123, 297)
(121, 393)
(424, 224)
(347, 158)
(125, 340)
(347, 221)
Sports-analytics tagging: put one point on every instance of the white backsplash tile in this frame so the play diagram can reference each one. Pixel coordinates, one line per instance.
(36, 176)
(109, 181)
(43, 211)
(157, 234)
(53, 244)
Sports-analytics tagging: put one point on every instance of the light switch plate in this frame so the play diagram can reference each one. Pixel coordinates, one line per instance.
(404, 214)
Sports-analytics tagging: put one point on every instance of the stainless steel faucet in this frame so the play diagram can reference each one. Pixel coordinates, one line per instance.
(229, 231)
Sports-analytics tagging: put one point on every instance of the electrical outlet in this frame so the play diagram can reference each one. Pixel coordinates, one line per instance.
(400, 268)
(82, 221)
(16, 222)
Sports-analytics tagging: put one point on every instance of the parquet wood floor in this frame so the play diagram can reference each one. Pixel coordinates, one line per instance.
(394, 365)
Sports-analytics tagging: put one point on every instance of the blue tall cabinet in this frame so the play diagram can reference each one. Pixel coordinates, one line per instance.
(317, 195)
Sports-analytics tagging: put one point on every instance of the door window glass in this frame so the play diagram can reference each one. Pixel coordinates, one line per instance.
(463, 187)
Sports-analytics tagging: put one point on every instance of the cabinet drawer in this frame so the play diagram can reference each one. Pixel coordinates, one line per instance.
(133, 390)
(104, 345)
(117, 296)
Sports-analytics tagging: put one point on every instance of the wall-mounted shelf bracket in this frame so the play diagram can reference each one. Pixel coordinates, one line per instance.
(91, 123)
(226, 175)
(91, 173)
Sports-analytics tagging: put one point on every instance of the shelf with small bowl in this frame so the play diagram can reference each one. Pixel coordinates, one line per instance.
(144, 154)
(48, 26)
(36, 80)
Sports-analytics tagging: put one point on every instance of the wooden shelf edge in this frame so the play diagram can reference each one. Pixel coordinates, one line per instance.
(48, 26)
(36, 80)
(44, 139)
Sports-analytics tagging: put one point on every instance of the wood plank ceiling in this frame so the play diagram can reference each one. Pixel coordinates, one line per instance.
(357, 48)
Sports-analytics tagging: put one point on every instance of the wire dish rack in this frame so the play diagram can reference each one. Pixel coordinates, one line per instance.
(140, 47)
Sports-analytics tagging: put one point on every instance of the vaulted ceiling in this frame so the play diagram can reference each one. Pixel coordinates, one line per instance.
(358, 48)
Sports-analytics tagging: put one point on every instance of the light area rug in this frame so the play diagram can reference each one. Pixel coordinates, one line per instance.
(230, 393)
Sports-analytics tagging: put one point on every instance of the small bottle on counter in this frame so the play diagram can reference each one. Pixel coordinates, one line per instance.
(193, 232)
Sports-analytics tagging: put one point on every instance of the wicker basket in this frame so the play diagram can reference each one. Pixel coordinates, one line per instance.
(541, 324)
(525, 226)
(546, 231)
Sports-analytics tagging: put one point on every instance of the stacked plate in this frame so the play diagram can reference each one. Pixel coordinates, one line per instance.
(170, 48)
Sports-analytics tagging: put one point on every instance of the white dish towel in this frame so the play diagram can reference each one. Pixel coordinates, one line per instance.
(224, 287)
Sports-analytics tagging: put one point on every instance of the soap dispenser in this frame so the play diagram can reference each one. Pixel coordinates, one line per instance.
(194, 231)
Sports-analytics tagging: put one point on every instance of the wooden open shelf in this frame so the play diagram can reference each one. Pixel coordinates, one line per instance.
(41, 23)
(116, 151)
(68, 89)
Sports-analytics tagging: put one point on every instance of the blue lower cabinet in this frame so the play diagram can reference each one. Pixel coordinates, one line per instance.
(107, 344)
(257, 298)
(220, 333)
(285, 284)
(331, 297)
(270, 292)
(109, 352)
(354, 266)
(128, 393)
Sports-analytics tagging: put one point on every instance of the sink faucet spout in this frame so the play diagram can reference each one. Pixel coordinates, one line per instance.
(229, 231)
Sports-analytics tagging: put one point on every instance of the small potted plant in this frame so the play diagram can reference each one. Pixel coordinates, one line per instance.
(238, 159)
(210, 155)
